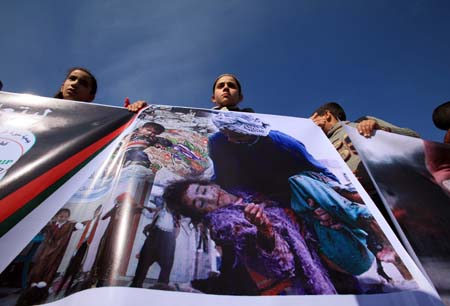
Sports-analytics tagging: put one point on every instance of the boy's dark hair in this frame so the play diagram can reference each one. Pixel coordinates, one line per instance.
(92, 78)
(334, 108)
(230, 75)
(441, 116)
(173, 195)
(156, 126)
(63, 210)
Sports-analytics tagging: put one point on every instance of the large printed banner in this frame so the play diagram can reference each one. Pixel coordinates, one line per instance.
(193, 207)
(413, 178)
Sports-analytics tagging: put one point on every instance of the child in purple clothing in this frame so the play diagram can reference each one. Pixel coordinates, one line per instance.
(262, 237)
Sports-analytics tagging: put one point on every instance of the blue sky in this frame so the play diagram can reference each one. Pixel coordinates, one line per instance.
(389, 59)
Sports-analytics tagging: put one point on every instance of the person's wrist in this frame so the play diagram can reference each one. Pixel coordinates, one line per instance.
(386, 129)
(266, 237)
(266, 230)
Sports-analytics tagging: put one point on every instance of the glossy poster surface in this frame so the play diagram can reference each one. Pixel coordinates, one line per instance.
(205, 206)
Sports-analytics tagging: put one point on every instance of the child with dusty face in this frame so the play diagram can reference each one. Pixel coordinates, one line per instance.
(62, 217)
(207, 198)
(226, 91)
(149, 131)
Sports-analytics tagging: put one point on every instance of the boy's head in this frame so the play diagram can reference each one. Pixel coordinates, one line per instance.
(62, 215)
(227, 91)
(334, 108)
(151, 129)
(80, 85)
(441, 116)
(329, 114)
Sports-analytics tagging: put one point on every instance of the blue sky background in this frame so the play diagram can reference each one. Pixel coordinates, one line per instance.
(389, 59)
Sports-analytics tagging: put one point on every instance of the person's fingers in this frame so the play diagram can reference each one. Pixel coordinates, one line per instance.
(135, 106)
(386, 255)
(337, 226)
(248, 207)
(362, 129)
(259, 213)
(239, 201)
(366, 127)
(255, 214)
(254, 210)
(325, 223)
(317, 120)
(319, 211)
(250, 211)
(324, 217)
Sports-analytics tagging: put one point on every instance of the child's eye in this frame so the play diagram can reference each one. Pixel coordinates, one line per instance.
(199, 204)
(83, 82)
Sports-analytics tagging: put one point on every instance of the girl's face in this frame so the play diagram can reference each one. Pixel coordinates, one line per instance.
(78, 87)
(226, 92)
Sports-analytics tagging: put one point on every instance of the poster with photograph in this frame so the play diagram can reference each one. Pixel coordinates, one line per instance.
(412, 176)
(197, 206)
(44, 142)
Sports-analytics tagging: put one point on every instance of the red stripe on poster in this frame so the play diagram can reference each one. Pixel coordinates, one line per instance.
(16, 200)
